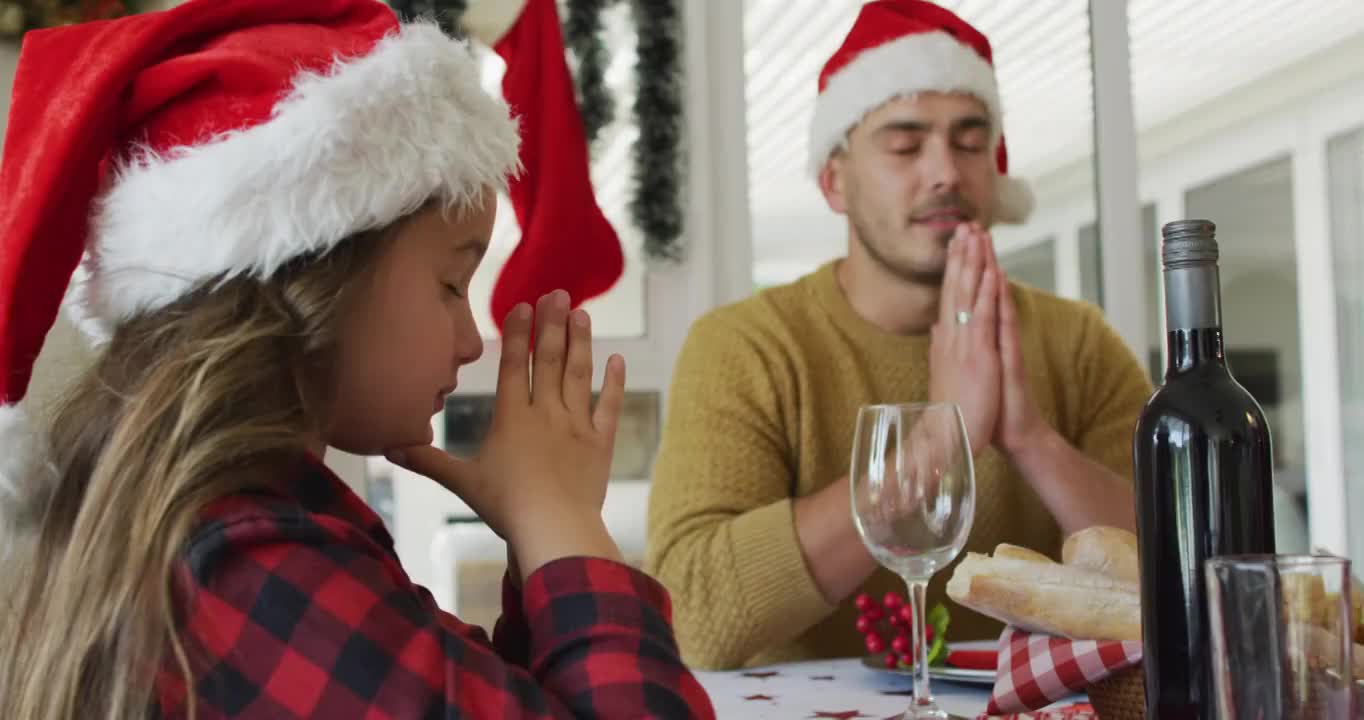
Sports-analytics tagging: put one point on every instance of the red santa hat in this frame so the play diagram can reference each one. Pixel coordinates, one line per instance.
(897, 48)
(221, 138)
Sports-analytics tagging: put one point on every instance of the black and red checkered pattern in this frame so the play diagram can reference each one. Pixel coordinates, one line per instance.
(295, 606)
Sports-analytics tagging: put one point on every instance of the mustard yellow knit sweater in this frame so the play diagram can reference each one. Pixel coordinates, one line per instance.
(762, 408)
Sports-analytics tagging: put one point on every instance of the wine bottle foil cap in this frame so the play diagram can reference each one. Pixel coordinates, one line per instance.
(1188, 243)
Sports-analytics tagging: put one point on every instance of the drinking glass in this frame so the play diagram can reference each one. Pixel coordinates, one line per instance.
(913, 501)
(1282, 636)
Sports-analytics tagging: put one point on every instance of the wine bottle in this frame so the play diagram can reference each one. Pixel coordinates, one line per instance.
(1203, 479)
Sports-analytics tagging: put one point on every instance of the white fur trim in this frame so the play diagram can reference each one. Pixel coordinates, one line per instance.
(918, 63)
(350, 150)
(489, 20)
(78, 307)
(22, 459)
(1013, 199)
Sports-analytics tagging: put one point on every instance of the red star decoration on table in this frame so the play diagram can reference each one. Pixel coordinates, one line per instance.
(845, 715)
(759, 697)
(762, 675)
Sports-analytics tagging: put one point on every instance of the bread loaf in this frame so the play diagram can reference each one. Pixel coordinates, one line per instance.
(1107, 550)
(1040, 595)
(1321, 647)
(1014, 552)
(1306, 603)
(1093, 596)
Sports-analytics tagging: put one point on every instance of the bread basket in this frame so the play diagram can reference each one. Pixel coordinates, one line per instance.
(1122, 696)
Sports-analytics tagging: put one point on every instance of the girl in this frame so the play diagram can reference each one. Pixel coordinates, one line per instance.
(272, 211)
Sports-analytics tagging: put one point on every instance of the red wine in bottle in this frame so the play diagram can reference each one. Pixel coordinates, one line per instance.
(1203, 479)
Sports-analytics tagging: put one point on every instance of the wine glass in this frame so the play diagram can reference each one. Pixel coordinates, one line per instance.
(913, 501)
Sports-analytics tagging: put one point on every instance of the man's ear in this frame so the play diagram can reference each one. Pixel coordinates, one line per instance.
(832, 180)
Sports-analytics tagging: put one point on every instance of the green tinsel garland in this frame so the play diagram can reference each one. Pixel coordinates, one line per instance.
(446, 12)
(19, 16)
(583, 36)
(655, 208)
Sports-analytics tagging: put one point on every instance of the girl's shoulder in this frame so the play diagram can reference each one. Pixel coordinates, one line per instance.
(279, 508)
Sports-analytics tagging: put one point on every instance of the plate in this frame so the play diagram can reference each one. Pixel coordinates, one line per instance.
(945, 673)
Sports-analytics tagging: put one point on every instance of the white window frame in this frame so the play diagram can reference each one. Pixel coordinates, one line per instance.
(1293, 113)
(1299, 130)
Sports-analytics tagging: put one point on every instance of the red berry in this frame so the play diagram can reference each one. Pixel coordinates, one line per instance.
(873, 612)
(875, 644)
(891, 660)
(907, 614)
(928, 633)
(895, 620)
(907, 660)
(865, 625)
(901, 645)
(863, 602)
(892, 601)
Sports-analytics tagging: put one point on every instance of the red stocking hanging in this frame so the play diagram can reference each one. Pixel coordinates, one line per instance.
(566, 242)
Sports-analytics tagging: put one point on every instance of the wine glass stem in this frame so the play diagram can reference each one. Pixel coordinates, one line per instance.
(917, 590)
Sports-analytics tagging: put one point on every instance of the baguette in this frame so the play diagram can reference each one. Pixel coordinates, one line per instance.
(1014, 552)
(1107, 550)
(1322, 647)
(1039, 595)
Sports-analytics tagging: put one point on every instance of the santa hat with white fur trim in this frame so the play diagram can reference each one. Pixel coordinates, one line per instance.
(220, 138)
(897, 48)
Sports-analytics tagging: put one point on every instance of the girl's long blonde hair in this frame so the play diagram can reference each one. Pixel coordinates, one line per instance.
(185, 405)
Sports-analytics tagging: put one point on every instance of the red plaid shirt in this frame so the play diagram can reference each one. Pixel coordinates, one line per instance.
(295, 606)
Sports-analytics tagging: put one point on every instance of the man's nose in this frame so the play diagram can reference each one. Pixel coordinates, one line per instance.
(941, 167)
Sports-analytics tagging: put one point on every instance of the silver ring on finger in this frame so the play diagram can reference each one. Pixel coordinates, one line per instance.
(963, 317)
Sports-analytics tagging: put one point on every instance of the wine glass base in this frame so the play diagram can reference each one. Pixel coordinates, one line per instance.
(925, 711)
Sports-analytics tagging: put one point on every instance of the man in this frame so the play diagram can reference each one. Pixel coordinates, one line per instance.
(749, 520)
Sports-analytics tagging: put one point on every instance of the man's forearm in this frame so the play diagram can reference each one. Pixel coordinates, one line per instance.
(833, 551)
(1078, 491)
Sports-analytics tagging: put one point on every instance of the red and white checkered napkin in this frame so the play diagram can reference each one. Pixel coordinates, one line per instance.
(1074, 712)
(1038, 670)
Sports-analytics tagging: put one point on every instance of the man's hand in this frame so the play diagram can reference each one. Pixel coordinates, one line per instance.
(964, 358)
(1078, 491)
(1020, 423)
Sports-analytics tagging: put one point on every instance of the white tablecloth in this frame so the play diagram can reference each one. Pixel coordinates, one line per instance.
(836, 688)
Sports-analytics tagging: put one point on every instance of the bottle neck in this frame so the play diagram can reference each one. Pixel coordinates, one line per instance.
(1193, 318)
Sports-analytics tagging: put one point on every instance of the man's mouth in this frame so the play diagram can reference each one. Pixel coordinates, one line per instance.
(945, 217)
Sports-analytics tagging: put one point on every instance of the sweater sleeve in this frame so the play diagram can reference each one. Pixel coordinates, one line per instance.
(1114, 388)
(721, 533)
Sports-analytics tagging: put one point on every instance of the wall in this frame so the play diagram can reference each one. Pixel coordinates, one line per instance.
(9, 58)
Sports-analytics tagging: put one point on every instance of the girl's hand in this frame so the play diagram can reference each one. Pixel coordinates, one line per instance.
(539, 479)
